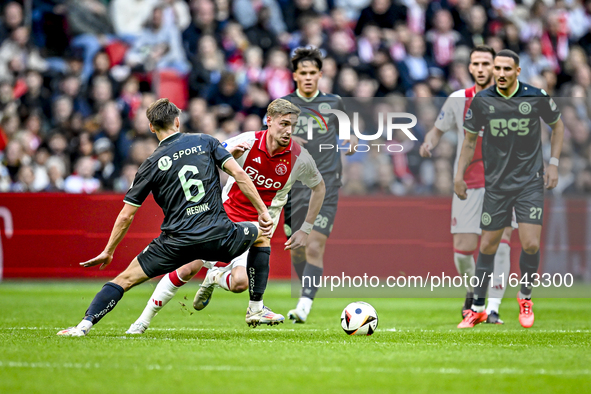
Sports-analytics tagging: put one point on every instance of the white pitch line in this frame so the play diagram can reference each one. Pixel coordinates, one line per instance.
(236, 368)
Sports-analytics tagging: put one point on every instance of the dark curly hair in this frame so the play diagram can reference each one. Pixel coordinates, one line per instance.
(306, 54)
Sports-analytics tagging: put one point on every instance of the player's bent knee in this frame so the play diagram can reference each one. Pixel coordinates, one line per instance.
(531, 246)
(240, 285)
(315, 250)
(298, 255)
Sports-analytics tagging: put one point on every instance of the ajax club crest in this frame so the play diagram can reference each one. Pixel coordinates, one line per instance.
(281, 169)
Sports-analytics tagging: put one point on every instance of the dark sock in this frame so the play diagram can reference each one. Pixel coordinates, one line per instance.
(104, 301)
(528, 264)
(299, 269)
(312, 275)
(257, 267)
(484, 267)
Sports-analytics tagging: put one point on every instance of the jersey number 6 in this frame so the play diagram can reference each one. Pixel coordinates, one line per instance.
(187, 183)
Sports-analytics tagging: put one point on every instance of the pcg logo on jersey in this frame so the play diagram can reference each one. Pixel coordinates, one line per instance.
(501, 127)
(486, 219)
(164, 163)
(385, 121)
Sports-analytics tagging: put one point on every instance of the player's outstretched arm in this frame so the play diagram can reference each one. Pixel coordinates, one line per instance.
(299, 238)
(247, 187)
(466, 156)
(431, 140)
(551, 174)
(120, 228)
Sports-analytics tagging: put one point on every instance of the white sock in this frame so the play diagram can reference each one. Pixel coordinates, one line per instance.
(163, 293)
(501, 271)
(478, 308)
(255, 306)
(85, 325)
(225, 281)
(305, 304)
(465, 265)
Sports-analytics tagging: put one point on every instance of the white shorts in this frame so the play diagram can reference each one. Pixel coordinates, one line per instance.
(465, 214)
(240, 260)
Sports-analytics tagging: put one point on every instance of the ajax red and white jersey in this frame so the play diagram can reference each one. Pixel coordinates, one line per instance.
(273, 176)
(452, 116)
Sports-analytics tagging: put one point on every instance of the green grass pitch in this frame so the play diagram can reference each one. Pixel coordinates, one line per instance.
(417, 348)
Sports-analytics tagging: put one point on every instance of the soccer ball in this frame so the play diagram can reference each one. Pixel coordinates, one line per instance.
(359, 318)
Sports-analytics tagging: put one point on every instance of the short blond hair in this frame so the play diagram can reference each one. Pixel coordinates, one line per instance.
(280, 107)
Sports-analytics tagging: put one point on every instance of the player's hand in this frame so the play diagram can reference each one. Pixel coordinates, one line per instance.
(266, 224)
(551, 177)
(297, 240)
(425, 150)
(104, 259)
(299, 140)
(460, 188)
(354, 141)
(238, 150)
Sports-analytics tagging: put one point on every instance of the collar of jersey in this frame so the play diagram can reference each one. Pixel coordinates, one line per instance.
(306, 98)
(173, 134)
(508, 97)
(263, 146)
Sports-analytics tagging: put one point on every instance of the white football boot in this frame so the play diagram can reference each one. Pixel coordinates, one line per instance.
(264, 316)
(205, 291)
(139, 327)
(73, 332)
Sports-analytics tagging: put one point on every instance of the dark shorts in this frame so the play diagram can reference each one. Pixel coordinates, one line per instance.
(297, 208)
(528, 203)
(165, 254)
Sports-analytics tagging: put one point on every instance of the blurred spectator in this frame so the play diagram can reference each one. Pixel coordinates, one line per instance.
(112, 128)
(225, 93)
(389, 80)
(259, 34)
(207, 67)
(203, 23)
(123, 182)
(298, 10)
(12, 18)
(104, 167)
(442, 38)
(533, 62)
(277, 76)
(384, 13)
(197, 109)
(18, 54)
(414, 67)
(476, 27)
(245, 12)
(82, 181)
(129, 17)
(37, 97)
(71, 86)
(14, 159)
(158, 46)
(56, 171)
(25, 180)
(178, 13)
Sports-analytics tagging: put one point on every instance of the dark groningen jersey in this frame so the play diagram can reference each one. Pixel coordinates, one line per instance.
(182, 176)
(512, 134)
(328, 161)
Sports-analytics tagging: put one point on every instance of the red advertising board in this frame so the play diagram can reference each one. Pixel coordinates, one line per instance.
(48, 235)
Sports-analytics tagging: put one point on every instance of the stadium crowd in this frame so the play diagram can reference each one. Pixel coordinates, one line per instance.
(77, 75)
